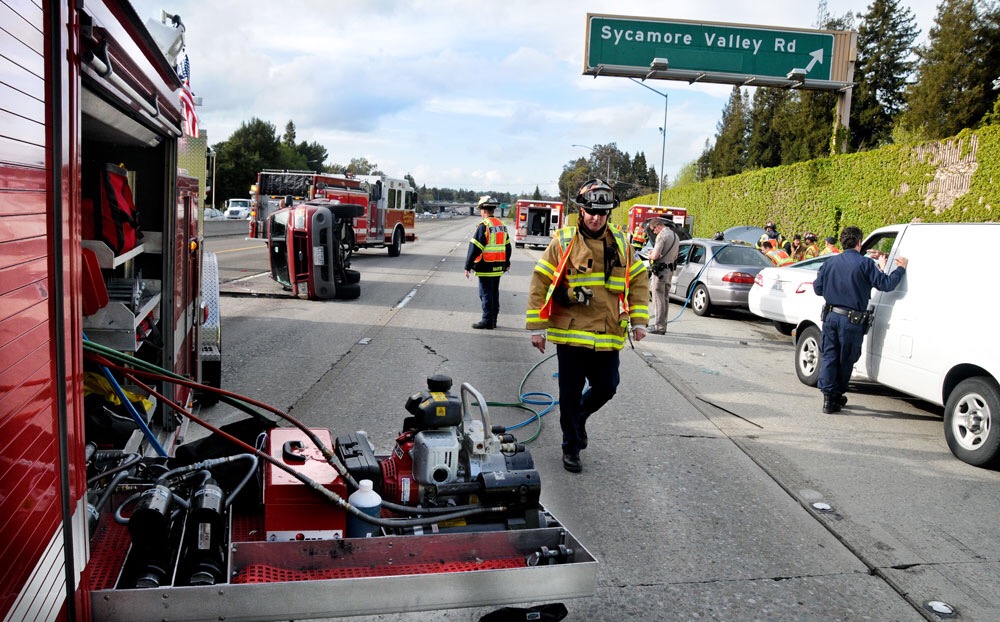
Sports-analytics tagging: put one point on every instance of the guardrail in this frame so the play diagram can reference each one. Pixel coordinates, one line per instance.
(219, 228)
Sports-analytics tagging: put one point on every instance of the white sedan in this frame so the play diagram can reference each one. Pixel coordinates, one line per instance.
(785, 295)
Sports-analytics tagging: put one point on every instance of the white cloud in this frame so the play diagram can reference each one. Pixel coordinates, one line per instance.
(458, 93)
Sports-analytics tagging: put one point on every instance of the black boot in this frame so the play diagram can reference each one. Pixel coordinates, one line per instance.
(831, 404)
(571, 462)
(482, 325)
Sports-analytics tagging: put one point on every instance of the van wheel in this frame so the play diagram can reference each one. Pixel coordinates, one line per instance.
(807, 356)
(700, 302)
(397, 243)
(968, 422)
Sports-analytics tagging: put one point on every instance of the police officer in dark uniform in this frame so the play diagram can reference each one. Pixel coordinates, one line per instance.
(845, 282)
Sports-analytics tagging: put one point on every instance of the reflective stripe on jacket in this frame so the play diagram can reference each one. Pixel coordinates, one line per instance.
(618, 297)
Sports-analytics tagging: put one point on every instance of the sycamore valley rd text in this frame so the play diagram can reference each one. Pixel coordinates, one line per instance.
(712, 39)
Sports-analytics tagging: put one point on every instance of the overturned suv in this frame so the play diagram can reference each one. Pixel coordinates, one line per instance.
(309, 245)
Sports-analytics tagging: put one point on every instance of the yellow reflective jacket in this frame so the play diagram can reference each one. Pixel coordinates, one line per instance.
(618, 298)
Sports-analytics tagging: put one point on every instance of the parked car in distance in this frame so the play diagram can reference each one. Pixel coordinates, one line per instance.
(238, 209)
(715, 273)
(214, 214)
(785, 295)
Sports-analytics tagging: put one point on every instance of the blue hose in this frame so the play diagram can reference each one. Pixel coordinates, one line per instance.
(139, 419)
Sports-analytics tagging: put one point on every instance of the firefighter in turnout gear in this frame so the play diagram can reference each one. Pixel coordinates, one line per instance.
(587, 291)
(489, 257)
(771, 235)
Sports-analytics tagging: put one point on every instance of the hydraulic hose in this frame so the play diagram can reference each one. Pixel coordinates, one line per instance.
(236, 399)
(207, 465)
(139, 420)
(316, 487)
(130, 459)
(525, 400)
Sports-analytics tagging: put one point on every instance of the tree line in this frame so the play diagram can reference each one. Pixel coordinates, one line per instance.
(902, 92)
(256, 146)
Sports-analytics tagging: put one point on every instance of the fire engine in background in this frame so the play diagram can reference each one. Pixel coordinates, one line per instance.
(107, 514)
(638, 215)
(386, 222)
(535, 221)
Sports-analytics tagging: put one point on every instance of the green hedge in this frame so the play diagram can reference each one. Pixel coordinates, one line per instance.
(947, 181)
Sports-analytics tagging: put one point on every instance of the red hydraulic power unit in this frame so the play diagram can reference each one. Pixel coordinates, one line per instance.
(291, 510)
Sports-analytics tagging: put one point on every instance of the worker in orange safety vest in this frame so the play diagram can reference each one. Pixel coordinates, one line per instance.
(489, 257)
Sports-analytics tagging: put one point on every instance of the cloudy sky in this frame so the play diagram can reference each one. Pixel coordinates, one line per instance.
(458, 93)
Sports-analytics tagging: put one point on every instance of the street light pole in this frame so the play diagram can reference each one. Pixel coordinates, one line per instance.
(608, 180)
(663, 131)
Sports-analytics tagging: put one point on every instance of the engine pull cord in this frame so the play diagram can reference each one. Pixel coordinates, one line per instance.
(316, 487)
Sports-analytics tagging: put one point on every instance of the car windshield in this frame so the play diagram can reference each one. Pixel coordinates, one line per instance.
(732, 255)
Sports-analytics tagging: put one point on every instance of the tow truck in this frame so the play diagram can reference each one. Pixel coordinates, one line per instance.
(108, 513)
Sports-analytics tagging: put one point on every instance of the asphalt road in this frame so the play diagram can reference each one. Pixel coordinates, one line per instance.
(714, 487)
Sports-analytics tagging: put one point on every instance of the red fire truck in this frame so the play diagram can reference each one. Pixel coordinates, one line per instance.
(387, 221)
(101, 242)
(107, 514)
(536, 221)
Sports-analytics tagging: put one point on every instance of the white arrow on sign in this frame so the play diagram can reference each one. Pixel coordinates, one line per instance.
(817, 57)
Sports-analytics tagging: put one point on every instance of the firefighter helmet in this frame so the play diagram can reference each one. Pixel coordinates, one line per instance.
(810, 237)
(487, 203)
(770, 225)
(597, 197)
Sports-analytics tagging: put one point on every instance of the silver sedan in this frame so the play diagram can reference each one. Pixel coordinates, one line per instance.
(715, 273)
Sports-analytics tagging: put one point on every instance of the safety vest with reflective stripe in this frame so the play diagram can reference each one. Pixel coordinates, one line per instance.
(779, 257)
(639, 237)
(494, 253)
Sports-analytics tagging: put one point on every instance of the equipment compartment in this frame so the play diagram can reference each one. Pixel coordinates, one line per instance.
(366, 576)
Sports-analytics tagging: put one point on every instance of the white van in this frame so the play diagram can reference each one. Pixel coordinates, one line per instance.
(935, 336)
